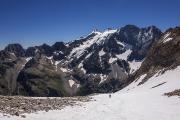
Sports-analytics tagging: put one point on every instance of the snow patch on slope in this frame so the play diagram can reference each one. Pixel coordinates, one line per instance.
(64, 69)
(111, 60)
(167, 38)
(78, 51)
(134, 65)
(98, 39)
(101, 53)
(28, 59)
(124, 55)
(82, 68)
(71, 82)
(50, 58)
(171, 77)
(120, 43)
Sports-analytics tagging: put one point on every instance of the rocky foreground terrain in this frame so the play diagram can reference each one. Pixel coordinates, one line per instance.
(17, 105)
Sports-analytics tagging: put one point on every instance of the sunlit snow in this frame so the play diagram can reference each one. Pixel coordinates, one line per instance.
(98, 39)
(167, 38)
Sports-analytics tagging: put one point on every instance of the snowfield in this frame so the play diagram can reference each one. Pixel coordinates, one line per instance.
(143, 102)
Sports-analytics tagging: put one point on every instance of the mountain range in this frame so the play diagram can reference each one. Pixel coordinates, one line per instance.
(101, 62)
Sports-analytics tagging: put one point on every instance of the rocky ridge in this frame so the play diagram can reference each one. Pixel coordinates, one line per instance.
(99, 62)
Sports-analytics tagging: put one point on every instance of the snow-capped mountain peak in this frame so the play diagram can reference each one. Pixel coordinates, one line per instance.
(94, 38)
(99, 62)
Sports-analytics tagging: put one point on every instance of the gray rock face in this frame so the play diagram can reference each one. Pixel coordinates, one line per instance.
(99, 62)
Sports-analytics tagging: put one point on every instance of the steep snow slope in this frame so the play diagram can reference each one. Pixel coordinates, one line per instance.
(143, 102)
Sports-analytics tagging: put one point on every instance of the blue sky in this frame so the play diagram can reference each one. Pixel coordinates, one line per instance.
(33, 22)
